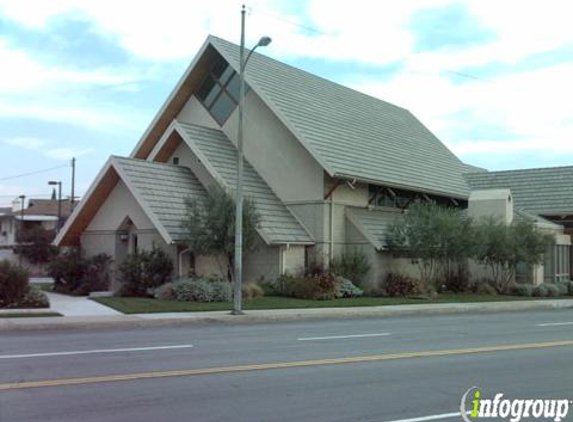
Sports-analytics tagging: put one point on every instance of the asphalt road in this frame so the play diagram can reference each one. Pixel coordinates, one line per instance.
(371, 370)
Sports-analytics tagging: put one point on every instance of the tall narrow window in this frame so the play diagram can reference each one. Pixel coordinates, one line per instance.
(219, 92)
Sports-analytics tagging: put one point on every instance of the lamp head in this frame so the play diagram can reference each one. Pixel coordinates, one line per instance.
(264, 41)
(53, 183)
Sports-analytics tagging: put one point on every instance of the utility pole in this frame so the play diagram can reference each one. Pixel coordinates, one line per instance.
(73, 199)
(21, 228)
(238, 264)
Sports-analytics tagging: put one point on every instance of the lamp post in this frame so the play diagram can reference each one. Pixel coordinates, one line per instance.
(238, 264)
(21, 229)
(59, 184)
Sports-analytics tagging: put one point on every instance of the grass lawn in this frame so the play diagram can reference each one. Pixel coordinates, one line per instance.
(133, 305)
(45, 287)
(29, 315)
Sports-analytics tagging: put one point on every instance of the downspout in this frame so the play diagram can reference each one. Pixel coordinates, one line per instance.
(180, 261)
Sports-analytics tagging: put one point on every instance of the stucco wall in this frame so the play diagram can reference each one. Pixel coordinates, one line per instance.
(119, 204)
(275, 153)
(194, 112)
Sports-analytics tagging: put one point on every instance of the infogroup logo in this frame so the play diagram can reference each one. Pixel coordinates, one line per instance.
(475, 407)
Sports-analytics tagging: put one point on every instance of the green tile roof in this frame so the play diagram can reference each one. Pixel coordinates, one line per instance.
(162, 188)
(542, 191)
(373, 224)
(278, 225)
(351, 134)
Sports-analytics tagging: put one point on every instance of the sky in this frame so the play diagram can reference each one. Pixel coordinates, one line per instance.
(491, 79)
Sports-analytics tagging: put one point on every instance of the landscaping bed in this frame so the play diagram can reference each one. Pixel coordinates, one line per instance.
(135, 305)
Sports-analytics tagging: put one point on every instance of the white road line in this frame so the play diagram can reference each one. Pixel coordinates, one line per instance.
(431, 417)
(341, 337)
(553, 324)
(87, 352)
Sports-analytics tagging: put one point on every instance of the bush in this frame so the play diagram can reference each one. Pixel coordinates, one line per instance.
(73, 274)
(484, 286)
(271, 288)
(144, 271)
(13, 283)
(201, 290)
(353, 266)
(540, 291)
(251, 291)
(34, 298)
(165, 292)
(458, 282)
(562, 289)
(395, 284)
(321, 286)
(569, 285)
(554, 290)
(525, 290)
(345, 289)
(37, 248)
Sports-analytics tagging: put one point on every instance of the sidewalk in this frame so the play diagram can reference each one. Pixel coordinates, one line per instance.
(117, 320)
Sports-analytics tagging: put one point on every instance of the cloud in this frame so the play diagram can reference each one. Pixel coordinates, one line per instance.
(48, 148)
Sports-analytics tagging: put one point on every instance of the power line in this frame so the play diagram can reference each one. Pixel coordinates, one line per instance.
(33, 172)
(290, 22)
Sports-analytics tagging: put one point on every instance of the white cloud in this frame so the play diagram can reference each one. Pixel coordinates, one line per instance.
(48, 148)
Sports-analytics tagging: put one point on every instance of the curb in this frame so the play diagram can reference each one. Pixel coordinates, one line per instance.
(281, 315)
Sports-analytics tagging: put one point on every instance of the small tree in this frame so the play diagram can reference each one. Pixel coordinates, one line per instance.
(352, 265)
(210, 226)
(36, 244)
(434, 235)
(501, 247)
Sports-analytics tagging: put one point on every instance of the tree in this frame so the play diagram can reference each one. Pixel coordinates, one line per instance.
(36, 244)
(501, 247)
(434, 235)
(210, 227)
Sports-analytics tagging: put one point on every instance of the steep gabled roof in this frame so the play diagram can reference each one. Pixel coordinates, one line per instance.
(542, 191)
(159, 189)
(278, 225)
(374, 225)
(352, 135)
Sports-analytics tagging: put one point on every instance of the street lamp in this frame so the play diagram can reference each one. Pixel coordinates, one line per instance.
(59, 184)
(238, 270)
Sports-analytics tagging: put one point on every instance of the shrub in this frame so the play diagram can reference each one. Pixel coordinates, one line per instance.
(485, 286)
(562, 289)
(553, 290)
(34, 298)
(76, 275)
(353, 266)
(317, 287)
(540, 291)
(271, 288)
(345, 289)
(395, 284)
(569, 288)
(201, 290)
(144, 271)
(251, 291)
(37, 247)
(458, 282)
(13, 283)
(165, 292)
(525, 290)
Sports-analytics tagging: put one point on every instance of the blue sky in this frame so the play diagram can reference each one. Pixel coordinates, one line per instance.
(79, 80)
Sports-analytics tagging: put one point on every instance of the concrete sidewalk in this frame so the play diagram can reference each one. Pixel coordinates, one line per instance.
(78, 306)
(115, 319)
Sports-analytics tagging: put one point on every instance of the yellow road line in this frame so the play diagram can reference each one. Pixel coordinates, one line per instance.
(279, 365)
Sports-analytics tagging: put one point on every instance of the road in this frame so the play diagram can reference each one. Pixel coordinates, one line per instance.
(370, 370)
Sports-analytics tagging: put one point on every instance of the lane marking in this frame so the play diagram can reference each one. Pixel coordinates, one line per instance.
(553, 324)
(89, 352)
(341, 337)
(279, 365)
(431, 417)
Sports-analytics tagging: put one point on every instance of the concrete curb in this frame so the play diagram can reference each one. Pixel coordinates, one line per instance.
(280, 315)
